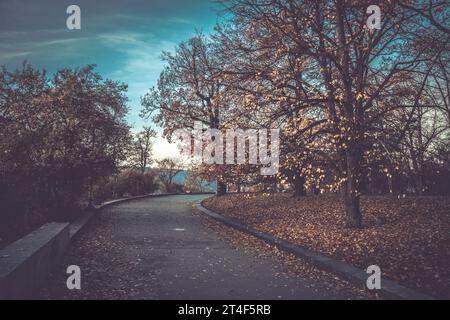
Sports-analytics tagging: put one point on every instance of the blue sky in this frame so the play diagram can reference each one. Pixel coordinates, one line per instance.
(123, 38)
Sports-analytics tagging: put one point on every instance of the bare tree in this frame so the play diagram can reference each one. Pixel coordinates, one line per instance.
(168, 168)
(189, 89)
(320, 57)
(436, 12)
(141, 149)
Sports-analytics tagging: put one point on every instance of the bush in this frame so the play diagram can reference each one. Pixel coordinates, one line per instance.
(175, 188)
(57, 136)
(126, 183)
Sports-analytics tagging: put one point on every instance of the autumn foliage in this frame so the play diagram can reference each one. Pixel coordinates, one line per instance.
(408, 238)
(58, 135)
(360, 111)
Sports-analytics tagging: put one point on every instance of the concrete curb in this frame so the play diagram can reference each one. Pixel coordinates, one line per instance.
(116, 201)
(389, 288)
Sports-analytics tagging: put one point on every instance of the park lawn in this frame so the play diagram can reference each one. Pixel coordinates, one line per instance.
(408, 238)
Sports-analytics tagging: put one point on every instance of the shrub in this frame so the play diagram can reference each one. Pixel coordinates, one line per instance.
(126, 183)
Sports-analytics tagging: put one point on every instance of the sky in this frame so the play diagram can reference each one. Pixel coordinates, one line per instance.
(124, 38)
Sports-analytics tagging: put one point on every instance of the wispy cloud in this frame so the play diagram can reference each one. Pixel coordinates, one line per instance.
(124, 39)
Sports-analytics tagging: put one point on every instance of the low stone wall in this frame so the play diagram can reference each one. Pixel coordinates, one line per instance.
(26, 264)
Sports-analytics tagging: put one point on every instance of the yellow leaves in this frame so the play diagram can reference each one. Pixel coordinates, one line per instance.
(360, 96)
(339, 98)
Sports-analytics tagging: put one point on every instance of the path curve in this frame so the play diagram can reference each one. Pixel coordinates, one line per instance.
(166, 252)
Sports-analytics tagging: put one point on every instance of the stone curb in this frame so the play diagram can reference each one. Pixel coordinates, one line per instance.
(389, 288)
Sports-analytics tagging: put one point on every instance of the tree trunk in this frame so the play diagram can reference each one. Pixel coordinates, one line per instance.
(298, 184)
(353, 112)
(221, 187)
(351, 197)
(369, 187)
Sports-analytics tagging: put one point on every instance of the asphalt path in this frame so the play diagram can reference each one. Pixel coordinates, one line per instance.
(157, 248)
(188, 260)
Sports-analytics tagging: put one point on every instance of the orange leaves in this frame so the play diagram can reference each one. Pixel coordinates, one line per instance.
(402, 236)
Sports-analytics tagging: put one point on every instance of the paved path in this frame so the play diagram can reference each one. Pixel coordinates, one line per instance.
(178, 257)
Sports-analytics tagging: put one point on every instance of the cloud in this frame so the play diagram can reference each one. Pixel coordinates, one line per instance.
(140, 62)
(9, 55)
(124, 39)
(163, 149)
